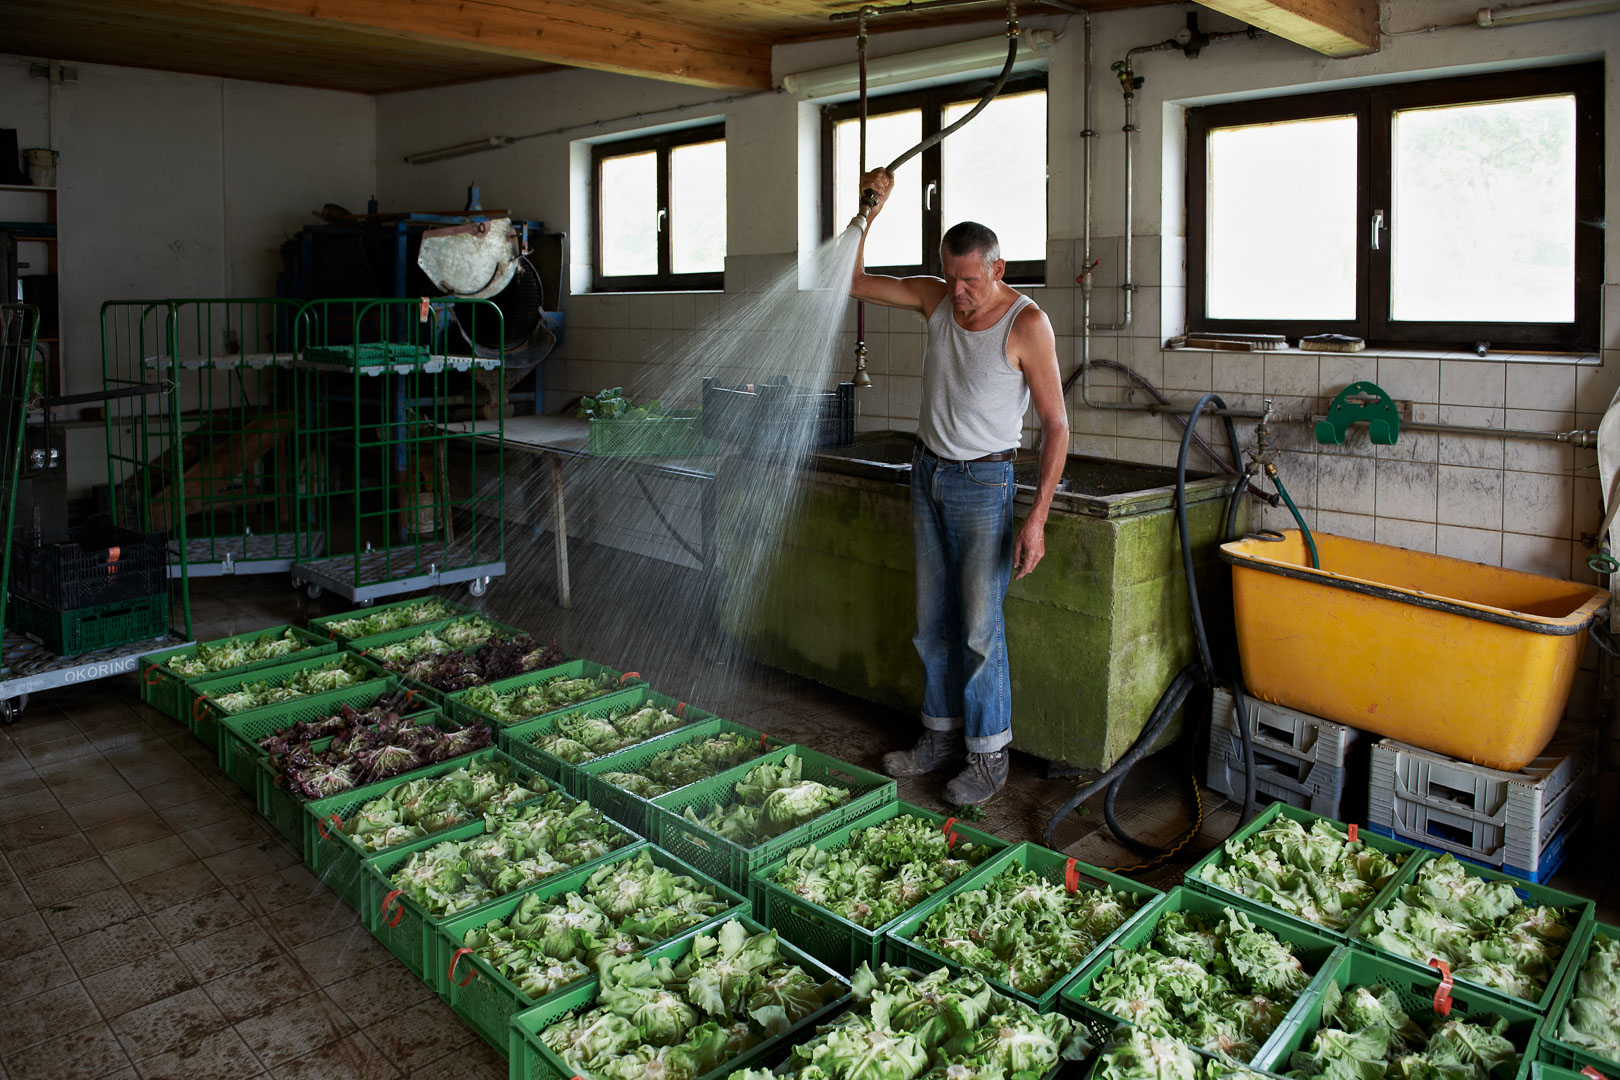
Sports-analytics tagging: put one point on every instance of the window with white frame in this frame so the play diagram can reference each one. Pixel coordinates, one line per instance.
(1434, 214)
(992, 170)
(660, 211)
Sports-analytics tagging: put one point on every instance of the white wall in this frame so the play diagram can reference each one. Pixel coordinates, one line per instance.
(180, 185)
(1501, 501)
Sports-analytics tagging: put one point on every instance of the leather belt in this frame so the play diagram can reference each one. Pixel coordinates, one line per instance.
(1004, 455)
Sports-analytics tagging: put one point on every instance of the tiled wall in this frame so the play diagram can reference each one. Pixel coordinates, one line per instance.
(1502, 501)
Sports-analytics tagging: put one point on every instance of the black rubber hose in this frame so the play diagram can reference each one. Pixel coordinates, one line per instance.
(1202, 669)
(990, 95)
(1177, 692)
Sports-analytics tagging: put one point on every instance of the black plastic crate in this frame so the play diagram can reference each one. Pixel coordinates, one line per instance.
(768, 416)
(95, 564)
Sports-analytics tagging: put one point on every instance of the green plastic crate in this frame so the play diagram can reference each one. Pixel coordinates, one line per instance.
(364, 647)
(1542, 1070)
(731, 862)
(325, 628)
(677, 433)
(70, 633)
(286, 810)
(1315, 948)
(1555, 1052)
(1398, 850)
(531, 1059)
(1353, 967)
(486, 999)
(633, 810)
(337, 860)
(170, 693)
(407, 931)
(899, 948)
(518, 739)
(230, 742)
(239, 735)
(1537, 894)
(834, 940)
(571, 669)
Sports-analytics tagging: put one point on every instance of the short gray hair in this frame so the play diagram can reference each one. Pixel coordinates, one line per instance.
(970, 238)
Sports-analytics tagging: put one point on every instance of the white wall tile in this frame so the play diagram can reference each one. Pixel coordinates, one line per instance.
(1291, 374)
(1595, 384)
(1470, 497)
(1148, 451)
(905, 396)
(1411, 446)
(1240, 373)
(1470, 382)
(1355, 526)
(1474, 545)
(1412, 535)
(1477, 451)
(1413, 378)
(1532, 385)
(1346, 484)
(1611, 316)
(1187, 369)
(1587, 499)
(1337, 372)
(1142, 425)
(1172, 311)
(1408, 490)
(1058, 303)
(1537, 503)
(1084, 420)
(1099, 446)
(1546, 555)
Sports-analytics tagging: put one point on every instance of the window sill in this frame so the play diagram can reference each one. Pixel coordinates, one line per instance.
(1580, 359)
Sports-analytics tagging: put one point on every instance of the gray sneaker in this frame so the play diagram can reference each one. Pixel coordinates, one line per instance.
(933, 751)
(979, 782)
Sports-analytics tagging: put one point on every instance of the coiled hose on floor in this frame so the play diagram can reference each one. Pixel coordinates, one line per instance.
(1200, 671)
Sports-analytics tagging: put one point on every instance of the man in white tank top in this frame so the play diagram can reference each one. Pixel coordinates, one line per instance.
(990, 354)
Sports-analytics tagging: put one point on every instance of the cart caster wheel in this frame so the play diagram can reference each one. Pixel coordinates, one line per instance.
(11, 709)
(298, 583)
(364, 603)
(478, 586)
(313, 591)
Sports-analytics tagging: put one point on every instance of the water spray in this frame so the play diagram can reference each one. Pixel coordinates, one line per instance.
(869, 197)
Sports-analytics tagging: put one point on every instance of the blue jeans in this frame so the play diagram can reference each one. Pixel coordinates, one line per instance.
(962, 529)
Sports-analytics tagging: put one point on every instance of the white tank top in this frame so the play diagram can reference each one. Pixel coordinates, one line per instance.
(973, 399)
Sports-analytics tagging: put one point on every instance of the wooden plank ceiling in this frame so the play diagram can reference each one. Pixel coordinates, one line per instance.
(378, 46)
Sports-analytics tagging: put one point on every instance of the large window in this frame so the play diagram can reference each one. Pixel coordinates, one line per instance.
(1430, 214)
(661, 211)
(992, 170)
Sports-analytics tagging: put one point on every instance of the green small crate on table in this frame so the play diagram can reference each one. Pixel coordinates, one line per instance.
(1352, 967)
(404, 928)
(1556, 1051)
(839, 943)
(631, 810)
(488, 1000)
(227, 743)
(733, 863)
(287, 810)
(1399, 851)
(171, 693)
(327, 625)
(71, 633)
(1314, 948)
(532, 1059)
(676, 433)
(339, 861)
(900, 948)
(1365, 928)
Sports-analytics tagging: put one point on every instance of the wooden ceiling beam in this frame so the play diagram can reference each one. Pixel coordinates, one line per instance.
(1331, 27)
(546, 31)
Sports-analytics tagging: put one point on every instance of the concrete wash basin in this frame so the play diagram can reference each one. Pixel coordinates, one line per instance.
(1095, 634)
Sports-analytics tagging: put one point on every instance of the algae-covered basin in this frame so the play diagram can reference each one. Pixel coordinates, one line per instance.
(1093, 635)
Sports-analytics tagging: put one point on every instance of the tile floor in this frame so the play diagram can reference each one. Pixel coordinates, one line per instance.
(152, 925)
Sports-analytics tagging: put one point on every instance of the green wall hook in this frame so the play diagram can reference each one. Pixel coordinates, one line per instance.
(1361, 401)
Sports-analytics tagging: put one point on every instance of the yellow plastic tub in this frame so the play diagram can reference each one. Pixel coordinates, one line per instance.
(1471, 661)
